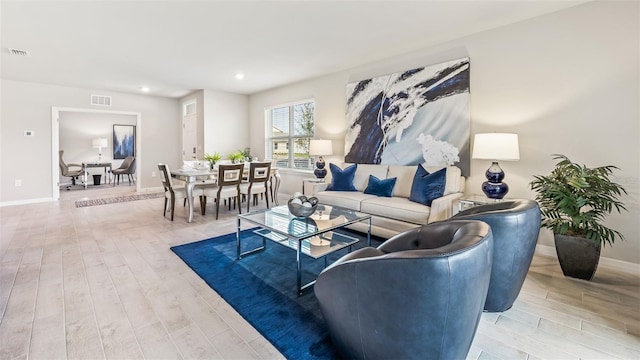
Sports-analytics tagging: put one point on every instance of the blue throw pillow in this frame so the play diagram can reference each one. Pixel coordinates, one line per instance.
(427, 187)
(342, 180)
(380, 187)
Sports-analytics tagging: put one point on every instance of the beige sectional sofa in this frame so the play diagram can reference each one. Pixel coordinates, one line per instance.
(392, 215)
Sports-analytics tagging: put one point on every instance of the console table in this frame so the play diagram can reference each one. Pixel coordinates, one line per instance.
(86, 166)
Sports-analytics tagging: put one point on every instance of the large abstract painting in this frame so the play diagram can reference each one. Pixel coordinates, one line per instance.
(419, 116)
(124, 141)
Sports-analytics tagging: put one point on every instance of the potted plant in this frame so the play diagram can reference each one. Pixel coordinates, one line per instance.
(236, 157)
(246, 153)
(212, 158)
(574, 200)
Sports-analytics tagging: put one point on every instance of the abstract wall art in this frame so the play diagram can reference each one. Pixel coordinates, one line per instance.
(419, 116)
(124, 141)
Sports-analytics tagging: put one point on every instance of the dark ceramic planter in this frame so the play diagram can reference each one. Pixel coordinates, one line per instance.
(578, 256)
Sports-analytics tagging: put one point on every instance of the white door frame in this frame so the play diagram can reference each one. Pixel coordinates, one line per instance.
(55, 142)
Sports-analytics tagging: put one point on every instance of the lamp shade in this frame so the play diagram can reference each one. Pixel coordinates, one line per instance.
(320, 147)
(100, 143)
(496, 146)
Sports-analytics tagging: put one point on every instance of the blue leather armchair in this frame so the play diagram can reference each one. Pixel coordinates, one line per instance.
(418, 295)
(515, 225)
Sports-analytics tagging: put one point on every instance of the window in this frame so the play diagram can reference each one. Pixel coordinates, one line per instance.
(189, 109)
(289, 129)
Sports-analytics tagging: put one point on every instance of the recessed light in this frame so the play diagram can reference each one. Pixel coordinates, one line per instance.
(145, 88)
(239, 76)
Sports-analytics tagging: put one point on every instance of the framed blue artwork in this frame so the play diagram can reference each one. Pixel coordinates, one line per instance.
(418, 116)
(124, 141)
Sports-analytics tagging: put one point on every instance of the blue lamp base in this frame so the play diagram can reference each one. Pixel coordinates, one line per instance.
(320, 172)
(494, 188)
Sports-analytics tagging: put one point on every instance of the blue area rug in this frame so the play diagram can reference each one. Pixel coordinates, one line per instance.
(262, 288)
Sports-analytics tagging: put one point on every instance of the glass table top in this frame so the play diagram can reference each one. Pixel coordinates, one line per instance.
(326, 218)
(314, 234)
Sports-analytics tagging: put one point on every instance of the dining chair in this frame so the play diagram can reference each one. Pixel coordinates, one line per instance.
(67, 172)
(128, 167)
(259, 175)
(229, 179)
(271, 180)
(171, 192)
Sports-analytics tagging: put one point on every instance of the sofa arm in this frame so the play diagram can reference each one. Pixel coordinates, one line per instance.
(442, 208)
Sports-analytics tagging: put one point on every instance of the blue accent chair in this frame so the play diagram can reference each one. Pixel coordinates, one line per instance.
(418, 295)
(516, 226)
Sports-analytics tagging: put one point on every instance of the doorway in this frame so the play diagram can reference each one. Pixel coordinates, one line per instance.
(56, 113)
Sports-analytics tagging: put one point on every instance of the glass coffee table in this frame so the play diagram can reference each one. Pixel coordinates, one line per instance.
(313, 236)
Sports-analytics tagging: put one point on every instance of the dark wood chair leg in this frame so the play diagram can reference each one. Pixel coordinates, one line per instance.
(173, 205)
(266, 197)
(203, 204)
(164, 211)
(217, 206)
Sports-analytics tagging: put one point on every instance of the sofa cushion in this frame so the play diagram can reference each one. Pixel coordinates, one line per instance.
(454, 180)
(427, 187)
(342, 179)
(380, 187)
(404, 175)
(347, 199)
(398, 208)
(361, 179)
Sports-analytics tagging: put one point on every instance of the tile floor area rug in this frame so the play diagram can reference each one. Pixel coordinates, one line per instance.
(262, 288)
(118, 199)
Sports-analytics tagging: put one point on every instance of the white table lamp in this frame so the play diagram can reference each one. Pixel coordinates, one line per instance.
(100, 143)
(320, 148)
(496, 146)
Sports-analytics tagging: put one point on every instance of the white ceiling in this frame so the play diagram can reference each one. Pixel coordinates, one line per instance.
(175, 47)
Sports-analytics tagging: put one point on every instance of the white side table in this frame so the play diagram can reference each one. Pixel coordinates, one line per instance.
(310, 181)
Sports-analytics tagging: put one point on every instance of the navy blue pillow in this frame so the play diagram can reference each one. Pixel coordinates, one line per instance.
(342, 179)
(427, 187)
(380, 187)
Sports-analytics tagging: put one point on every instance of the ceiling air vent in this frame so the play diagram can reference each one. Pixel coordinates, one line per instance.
(18, 52)
(101, 100)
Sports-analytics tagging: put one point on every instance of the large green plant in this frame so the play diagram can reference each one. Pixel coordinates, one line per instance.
(575, 199)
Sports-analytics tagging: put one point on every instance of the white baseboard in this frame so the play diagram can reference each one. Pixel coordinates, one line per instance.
(25, 202)
(609, 263)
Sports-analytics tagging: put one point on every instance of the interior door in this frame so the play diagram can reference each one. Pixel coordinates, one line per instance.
(189, 137)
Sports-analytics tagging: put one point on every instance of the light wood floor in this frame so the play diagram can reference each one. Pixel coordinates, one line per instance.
(100, 282)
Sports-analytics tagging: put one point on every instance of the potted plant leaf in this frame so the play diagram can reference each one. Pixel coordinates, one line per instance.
(574, 200)
(212, 158)
(236, 157)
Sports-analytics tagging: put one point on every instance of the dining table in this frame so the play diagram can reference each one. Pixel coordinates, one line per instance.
(194, 176)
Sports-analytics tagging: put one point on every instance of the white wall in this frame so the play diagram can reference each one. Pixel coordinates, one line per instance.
(566, 82)
(226, 122)
(27, 106)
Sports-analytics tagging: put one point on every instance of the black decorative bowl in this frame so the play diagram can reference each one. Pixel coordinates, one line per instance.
(298, 210)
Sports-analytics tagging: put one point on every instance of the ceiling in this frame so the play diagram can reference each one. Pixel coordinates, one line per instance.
(175, 47)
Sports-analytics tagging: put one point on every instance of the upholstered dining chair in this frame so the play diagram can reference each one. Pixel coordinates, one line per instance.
(270, 182)
(418, 295)
(228, 187)
(259, 175)
(516, 226)
(128, 167)
(171, 193)
(65, 170)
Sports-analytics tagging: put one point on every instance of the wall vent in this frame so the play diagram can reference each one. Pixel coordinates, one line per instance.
(101, 100)
(18, 52)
